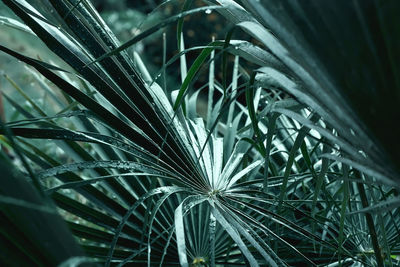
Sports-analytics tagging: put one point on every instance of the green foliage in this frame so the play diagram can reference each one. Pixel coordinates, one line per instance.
(294, 175)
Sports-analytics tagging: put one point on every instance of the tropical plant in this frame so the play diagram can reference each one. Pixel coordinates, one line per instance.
(286, 167)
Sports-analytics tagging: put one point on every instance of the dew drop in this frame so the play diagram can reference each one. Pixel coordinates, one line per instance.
(208, 11)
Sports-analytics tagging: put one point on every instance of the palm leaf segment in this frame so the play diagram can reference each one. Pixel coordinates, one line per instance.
(159, 142)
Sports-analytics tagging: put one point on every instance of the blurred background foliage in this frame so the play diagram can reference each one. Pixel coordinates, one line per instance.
(126, 19)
